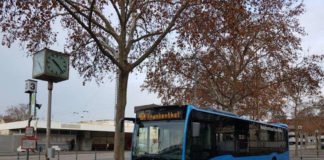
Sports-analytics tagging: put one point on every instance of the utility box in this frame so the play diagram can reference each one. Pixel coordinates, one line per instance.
(51, 153)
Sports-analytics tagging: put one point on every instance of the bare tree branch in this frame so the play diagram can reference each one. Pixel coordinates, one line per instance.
(108, 28)
(161, 37)
(92, 34)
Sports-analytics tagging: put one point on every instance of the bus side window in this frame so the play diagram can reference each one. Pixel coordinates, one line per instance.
(200, 143)
(195, 129)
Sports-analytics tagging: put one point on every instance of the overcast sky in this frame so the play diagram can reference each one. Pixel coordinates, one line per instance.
(71, 96)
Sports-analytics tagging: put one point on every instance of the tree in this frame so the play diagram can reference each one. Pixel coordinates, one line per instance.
(308, 116)
(232, 55)
(304, 81)
(15, 113)
(319, 105)
(104, 36)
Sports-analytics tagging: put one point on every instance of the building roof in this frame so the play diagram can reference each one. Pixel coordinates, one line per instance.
(104, 126)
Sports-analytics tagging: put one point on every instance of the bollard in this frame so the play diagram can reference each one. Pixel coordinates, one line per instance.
(51, 153)
(76, 155)
(17, 155)
(58, 155)
(95, 158)
(27, 156)
(39, 154)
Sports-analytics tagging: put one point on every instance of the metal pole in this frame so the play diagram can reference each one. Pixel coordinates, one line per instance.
(316, 133)
(29, 104)
(17, 155)
(48, 127)
(301, 144)
(35, 112)
(297, 143)
(29, 116)
(27, 155)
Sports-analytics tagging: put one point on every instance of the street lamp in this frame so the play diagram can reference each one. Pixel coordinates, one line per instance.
(82, 114)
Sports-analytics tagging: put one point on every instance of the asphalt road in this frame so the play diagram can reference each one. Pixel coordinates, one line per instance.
(306, 155)
(66, 156)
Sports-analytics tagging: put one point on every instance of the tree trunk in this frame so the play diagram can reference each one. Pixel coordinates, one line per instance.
(119, 139)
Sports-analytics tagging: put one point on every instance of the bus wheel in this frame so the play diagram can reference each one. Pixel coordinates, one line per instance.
(274, 158)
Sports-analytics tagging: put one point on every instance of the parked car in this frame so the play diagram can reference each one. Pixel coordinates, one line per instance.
(19, 149)
(57, 148)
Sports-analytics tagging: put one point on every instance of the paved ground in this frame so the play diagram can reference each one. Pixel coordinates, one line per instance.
(67, 156)
(306, 155)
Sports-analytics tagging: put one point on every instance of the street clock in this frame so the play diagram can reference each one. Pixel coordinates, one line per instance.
(50, 65)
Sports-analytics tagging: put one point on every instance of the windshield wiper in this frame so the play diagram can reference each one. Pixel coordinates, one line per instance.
(172, 149)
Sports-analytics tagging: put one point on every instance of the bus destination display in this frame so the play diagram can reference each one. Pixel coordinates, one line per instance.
(152, 116)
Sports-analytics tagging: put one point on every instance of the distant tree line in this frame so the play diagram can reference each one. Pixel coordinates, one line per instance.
(15, 113)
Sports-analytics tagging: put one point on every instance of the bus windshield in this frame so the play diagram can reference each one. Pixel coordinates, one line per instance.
(158, 140)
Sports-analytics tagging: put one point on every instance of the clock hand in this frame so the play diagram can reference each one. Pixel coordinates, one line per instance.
(58, 66)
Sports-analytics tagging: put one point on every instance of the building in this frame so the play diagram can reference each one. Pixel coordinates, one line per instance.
(305, 140)
(82, 136)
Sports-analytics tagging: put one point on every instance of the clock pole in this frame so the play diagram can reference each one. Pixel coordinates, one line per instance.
(48, 126)
(53, 67)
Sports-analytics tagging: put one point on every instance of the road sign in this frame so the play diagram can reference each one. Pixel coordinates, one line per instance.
(29, 131)
(30, 86)
(28, 143)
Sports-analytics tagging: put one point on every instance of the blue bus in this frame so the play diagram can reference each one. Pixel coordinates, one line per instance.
(191, 133)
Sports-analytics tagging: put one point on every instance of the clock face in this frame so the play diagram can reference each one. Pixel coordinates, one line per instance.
(50, 65)
(38, 64)
(57, 65)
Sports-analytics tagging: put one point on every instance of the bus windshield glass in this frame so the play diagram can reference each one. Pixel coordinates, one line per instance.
(158, 139)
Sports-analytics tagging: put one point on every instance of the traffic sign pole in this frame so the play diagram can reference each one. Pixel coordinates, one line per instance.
(30, 88)
(30, 118)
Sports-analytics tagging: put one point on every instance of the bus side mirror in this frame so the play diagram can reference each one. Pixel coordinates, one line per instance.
(195, 126)
(121, 123)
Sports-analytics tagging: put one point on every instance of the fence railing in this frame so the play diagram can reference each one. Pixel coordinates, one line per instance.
(63, 155)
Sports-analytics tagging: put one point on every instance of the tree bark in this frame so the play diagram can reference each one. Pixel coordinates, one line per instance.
(119, 139)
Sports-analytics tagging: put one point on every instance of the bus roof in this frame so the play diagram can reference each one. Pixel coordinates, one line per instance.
(152, 106)
(209, 110)
(232, 115)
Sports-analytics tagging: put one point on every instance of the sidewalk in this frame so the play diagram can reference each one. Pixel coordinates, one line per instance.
(84, 155)
(61, 153)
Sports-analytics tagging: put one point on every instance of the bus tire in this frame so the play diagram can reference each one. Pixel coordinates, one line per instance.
(274, 158)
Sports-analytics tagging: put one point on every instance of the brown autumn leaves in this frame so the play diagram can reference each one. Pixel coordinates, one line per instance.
(242, 56)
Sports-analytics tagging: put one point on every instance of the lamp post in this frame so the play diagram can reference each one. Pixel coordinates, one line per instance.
(81, 114)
